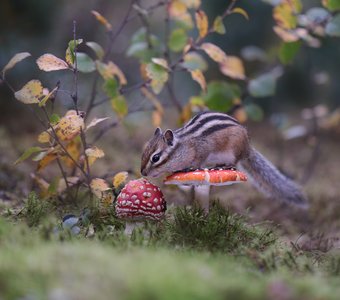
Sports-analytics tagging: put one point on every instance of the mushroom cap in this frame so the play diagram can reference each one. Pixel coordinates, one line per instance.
(206, 177)
(139, 200)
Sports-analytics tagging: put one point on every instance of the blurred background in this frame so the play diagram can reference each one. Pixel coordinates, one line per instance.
(285, 125)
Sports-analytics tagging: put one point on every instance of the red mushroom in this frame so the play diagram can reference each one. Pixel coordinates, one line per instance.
(203, 179)
(140, 200)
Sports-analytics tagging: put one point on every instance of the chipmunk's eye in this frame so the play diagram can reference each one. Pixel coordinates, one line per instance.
(156, 157)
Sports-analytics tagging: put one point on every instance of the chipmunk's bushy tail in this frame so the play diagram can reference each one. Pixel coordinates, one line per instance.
(268, 180)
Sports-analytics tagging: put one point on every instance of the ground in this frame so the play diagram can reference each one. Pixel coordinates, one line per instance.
(247, 248)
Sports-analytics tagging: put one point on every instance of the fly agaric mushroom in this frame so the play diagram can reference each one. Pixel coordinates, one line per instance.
(202, 179)
(140, 200)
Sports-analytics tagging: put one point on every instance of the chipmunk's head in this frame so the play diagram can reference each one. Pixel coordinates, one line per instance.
(157, 152)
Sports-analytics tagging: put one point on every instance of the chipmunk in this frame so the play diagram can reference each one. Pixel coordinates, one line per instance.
(215, 139)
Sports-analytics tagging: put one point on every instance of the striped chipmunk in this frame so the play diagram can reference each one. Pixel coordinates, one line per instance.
(215, 139)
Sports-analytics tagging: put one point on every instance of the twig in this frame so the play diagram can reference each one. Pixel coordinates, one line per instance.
(104, 130)
(74, 96)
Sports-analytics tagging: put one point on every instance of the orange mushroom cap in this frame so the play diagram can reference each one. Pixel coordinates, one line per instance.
(206, 177)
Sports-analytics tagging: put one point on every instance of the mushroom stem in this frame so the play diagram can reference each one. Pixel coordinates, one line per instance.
(202, 197)
(130, 226)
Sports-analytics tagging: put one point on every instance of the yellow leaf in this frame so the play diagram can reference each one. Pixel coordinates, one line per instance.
(109, 70)
(218, 25)
(178, 11)
(198, 76)
(239, 10)
(32, 92)
(99, 187)
(49, 62)
(102, 20)
(46, 160)
(69, 126)
(119, 179)
(93, 153)
(233, 67)
(44, 137)
(14, 60)
(161, 62)
(285, 13)
(214, 52)
(202, 23)
(48, 96)
(73, 148)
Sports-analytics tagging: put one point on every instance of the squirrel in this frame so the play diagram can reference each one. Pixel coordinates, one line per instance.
(216, 139)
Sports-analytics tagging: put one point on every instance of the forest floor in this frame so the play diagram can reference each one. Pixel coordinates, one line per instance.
(248, 247)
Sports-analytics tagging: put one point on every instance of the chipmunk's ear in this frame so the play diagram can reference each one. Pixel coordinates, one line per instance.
(158, 131)
(169, 137)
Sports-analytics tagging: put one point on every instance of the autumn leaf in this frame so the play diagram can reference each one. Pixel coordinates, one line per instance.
(178, 12)
(233, 67)
(285, 15)
(156, 118)
(44, 137)
(31, 92)
(69, 126)
(218, 25)
(48, 96)
(239, 10)
(161, 62)
(332, 5)
(198, 76)
(73, 148)
(70, 51)
(93, 153)
(49, 62)
(96, 121)
(201, 23)
(193, 61)
(214, 52)
(195, 4)
(14, 60)
(102, 20)
(109, 70)
(120, 179)
(102, 191)
(46, 160)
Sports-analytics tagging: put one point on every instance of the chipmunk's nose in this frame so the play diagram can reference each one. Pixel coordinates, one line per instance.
(143, 172)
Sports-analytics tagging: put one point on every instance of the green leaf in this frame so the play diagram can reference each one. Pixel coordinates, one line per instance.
(220, 96)
(140, 48)
(177, 40)
(265, 84)
(194, 61)
(85, 63)
(70, 56)
(158, 75)
(27, 154)
(96, 48)
(111, 87)
(288, 52)
(332, 5)
(119, 105)
(219, 26)
(333, 26)
(14, 60)
(54, 119)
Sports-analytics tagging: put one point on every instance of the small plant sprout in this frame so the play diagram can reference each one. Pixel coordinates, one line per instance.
(202, 179)
(140, 200)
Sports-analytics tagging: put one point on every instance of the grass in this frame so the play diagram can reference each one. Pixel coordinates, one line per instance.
(188, 256)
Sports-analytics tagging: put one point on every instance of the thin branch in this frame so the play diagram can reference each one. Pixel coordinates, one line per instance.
(104, 130)
(74, 96)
